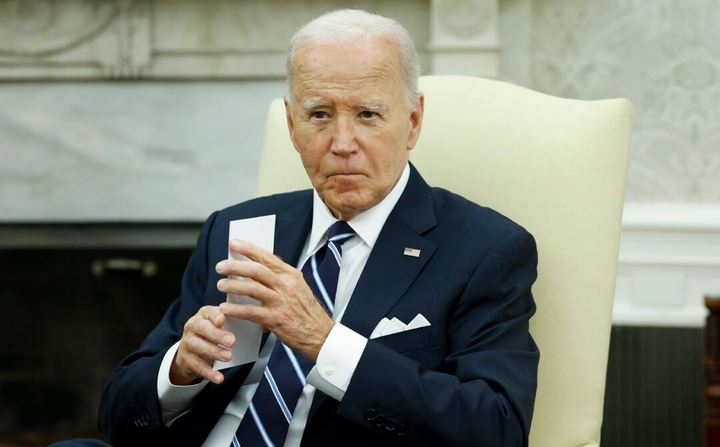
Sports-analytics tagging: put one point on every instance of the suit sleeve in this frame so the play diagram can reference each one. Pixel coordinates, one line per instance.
(484, 390)
(130, 412)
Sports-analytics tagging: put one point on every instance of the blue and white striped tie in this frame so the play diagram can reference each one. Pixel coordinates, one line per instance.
(266, 422)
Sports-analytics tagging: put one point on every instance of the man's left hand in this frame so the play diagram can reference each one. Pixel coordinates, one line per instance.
(288, 307)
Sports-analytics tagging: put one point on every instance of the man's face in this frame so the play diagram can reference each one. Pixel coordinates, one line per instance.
(350, 122)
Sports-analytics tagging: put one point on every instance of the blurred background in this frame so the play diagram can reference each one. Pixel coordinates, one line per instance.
(124, 123)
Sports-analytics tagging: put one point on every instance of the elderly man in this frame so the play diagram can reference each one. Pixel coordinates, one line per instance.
(371, 241)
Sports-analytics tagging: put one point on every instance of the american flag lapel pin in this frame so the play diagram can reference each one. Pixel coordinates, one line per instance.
(414, 252)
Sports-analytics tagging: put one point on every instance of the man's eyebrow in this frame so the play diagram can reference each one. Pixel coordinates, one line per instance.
(375, 107)
(371, 106)
(312, 104)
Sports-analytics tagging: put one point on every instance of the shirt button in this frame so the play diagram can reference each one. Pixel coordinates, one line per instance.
(329, 370)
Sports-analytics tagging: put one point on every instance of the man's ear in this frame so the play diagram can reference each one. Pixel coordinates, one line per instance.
(289, 120)
(416, 119)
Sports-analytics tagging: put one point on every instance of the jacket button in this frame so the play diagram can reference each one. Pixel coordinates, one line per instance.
(400, 429)
(371, 414)
(380, 421)
(390, 424)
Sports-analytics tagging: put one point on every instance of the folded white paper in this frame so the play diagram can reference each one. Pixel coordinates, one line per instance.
(248, 335)
(394, 326)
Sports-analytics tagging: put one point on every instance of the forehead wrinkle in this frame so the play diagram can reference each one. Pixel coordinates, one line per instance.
(321, 79)
(314, 66)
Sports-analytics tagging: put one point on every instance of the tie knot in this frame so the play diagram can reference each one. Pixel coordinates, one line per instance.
(339, 232)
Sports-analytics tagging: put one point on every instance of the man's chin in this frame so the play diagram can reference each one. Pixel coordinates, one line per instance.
(345, 206)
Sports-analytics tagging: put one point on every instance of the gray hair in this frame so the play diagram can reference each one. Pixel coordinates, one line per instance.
(352, 25)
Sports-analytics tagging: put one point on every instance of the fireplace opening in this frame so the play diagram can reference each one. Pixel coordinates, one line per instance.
(70, 314)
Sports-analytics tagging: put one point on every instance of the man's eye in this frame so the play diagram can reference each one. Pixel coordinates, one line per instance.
(319, 115)
(367, 114)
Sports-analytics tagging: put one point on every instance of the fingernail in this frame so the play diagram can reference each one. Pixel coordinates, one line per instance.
(221, 285)
(228, 340)
(235, 244)
(221, 266)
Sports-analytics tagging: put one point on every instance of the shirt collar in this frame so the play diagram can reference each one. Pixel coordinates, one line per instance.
(367, 224)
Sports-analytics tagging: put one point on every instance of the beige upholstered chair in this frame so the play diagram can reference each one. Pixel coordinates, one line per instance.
(558, 167)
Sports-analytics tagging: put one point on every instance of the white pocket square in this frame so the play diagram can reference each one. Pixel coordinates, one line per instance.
(394, 326)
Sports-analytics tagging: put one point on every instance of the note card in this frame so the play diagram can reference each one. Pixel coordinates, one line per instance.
(248, 335)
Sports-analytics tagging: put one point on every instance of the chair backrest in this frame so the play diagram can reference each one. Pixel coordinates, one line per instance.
(556, 166)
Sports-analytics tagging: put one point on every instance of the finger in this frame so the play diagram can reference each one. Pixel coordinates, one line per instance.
(248, 287)
(258, 254)
(193, 367)
(207, 330)
(247, 269)
(207, 372)
(195, 357)
(251, 312)
(209, 351)
(212, 314)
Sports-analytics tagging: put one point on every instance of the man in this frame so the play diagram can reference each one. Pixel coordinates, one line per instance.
(465, 376)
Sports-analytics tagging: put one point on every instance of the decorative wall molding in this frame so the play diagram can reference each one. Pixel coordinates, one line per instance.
(43, 27)
(462, 19)
(465, 38)
(236, 39)
(663, 56)
(669, 260)
(44, 39)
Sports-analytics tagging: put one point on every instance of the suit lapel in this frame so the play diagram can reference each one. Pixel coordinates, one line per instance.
(291, 230)
(389, 272)
(387, 275)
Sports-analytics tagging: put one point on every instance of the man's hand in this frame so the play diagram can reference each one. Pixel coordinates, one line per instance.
(203, 341)
(288, 307)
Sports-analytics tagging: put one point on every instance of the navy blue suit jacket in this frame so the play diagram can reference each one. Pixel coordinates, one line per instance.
(468, 379)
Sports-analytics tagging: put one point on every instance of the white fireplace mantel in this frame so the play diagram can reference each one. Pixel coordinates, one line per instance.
(669, 260)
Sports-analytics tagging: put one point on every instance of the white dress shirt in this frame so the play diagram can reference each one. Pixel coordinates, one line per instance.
(340, 353)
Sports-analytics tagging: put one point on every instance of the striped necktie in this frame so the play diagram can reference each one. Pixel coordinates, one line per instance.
(267, 419)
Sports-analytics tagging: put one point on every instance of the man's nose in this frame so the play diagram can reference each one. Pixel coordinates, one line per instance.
(344, 136)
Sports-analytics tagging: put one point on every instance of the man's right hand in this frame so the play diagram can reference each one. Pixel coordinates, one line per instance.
(203, 341)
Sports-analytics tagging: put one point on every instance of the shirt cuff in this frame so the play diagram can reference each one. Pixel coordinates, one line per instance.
(337, 361)
(175, 400)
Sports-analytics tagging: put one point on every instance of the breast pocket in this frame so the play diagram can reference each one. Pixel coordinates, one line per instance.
(410, 341)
